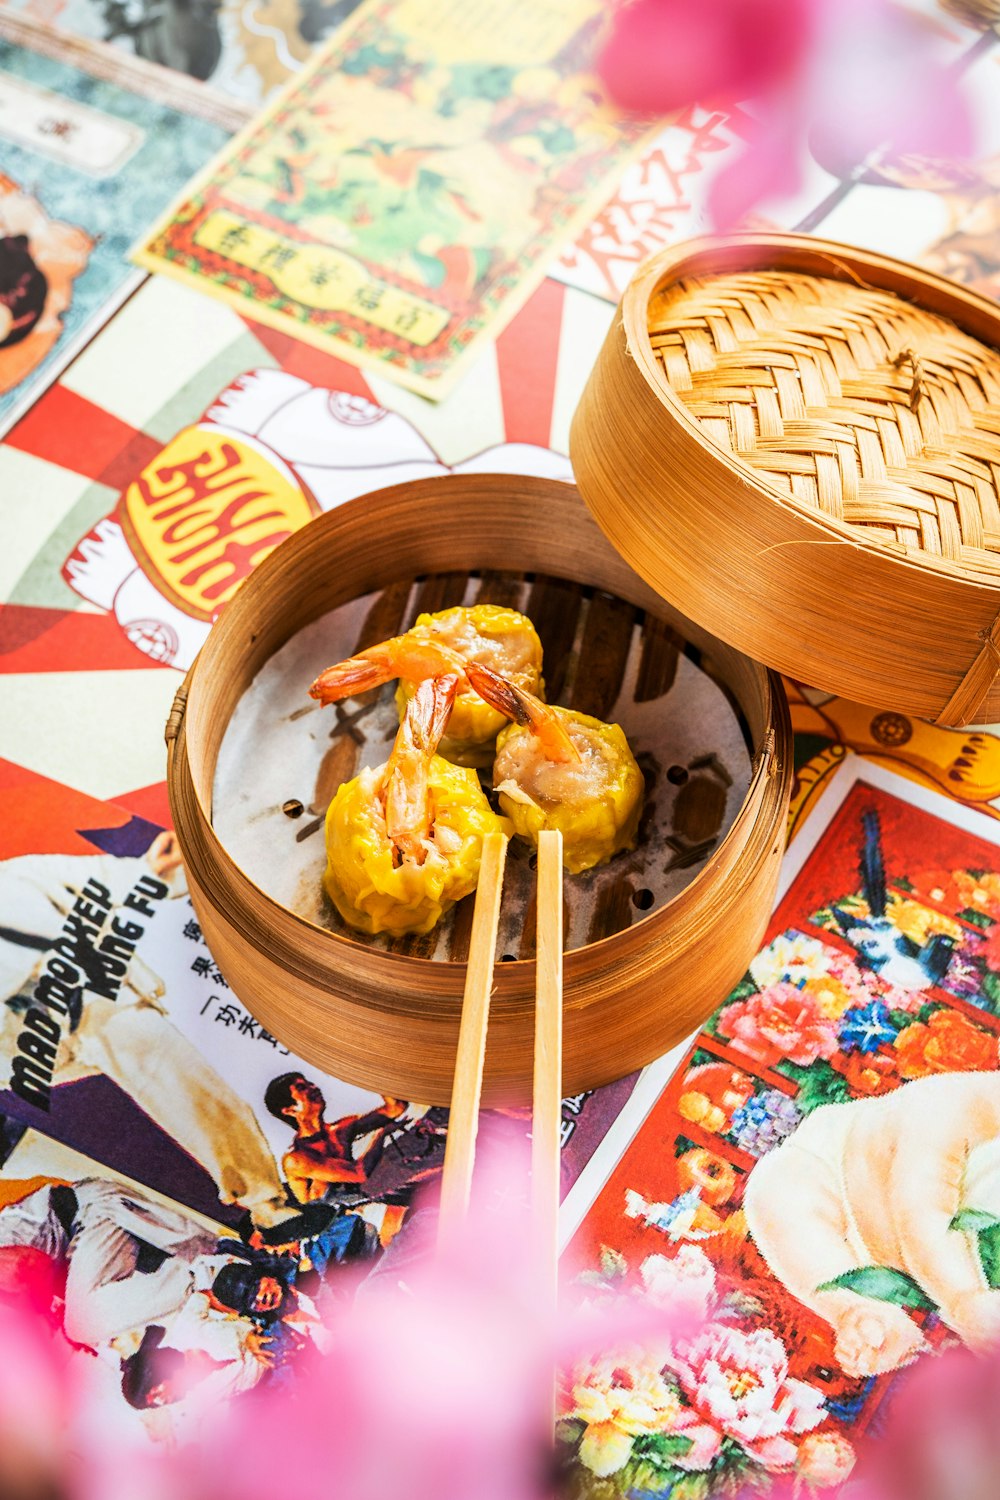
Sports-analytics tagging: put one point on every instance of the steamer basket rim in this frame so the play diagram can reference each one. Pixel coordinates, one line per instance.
(770, 766)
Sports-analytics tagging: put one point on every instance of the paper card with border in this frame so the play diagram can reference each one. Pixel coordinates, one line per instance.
(407, 191)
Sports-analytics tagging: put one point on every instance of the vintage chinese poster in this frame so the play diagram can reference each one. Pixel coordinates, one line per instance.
(660, 201)
(272, 451)
(89, 153)
(399, 244)
(818, 1179)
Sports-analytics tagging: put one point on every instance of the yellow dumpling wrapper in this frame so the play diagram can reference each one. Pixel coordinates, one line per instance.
(373, 894)
(516, 654)
(595, 805)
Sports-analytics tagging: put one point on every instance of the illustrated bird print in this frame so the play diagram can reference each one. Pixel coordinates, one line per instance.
(880, 945)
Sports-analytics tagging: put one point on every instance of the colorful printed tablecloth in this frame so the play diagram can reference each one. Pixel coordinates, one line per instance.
(865, 996)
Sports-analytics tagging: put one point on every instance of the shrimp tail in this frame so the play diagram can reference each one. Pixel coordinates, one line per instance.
(409, 815)
(430, 720)
(525, 709)
(502, 695)
(355, 675)
(401, 656)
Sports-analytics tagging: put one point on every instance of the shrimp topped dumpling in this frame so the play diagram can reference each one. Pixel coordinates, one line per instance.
(498, 638)
(555, 768)
(404, 840)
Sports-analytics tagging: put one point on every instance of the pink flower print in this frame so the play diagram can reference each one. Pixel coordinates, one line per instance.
(739, 1383)
(824, 1459)
(780, 1022)
(684, 1281)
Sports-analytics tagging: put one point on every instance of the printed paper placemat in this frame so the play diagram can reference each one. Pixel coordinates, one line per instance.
(410, 187)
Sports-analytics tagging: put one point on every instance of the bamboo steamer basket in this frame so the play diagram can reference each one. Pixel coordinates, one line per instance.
(798, 444)
(389, 1020)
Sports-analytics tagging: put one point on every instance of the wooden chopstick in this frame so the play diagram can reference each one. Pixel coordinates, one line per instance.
(546, 1118)
(463, 1121)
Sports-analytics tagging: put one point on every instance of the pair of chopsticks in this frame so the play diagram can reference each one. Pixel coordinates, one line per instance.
(460, 1151)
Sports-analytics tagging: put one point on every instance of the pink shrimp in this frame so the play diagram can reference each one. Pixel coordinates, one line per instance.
(524, 708)
(406, 656)
(409, 814)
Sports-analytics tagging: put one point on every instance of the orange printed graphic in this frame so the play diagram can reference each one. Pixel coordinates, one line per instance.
(205, 512)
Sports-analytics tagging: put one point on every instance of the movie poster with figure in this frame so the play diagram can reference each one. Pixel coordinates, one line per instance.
(90, 153)
(405, 193)
(818, 1184)
(157, 1313)
(120, 1036)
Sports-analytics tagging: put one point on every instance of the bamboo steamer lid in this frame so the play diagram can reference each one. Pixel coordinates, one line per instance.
(798, 444)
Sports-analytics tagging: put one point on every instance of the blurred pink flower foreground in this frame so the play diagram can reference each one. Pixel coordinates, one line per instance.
(863, 76)
(436, 1382)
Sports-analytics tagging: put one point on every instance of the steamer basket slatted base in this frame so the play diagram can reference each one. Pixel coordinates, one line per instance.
(387, 1015)
(799, 444)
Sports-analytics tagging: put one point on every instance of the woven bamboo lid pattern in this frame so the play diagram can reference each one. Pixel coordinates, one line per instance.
(797, 443)
(848, 399)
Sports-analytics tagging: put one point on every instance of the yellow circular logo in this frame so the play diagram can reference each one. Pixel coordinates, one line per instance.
(205, 512)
